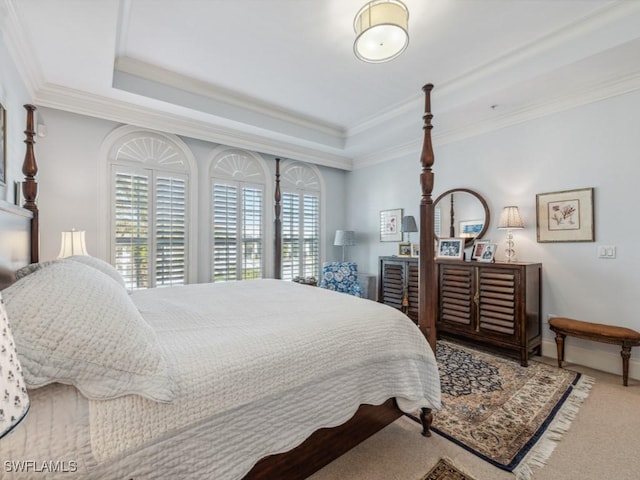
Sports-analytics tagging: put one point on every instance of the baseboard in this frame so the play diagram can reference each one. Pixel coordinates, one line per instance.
(599, 359)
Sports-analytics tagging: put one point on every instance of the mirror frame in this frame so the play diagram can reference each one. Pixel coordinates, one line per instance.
(487, 216)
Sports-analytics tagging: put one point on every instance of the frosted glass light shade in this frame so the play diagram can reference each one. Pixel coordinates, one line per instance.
(73, 243)
(382, 31)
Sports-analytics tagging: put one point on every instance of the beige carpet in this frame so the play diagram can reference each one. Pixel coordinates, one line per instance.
(602, 443)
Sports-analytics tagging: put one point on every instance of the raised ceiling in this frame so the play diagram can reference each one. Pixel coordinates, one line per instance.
(280, 76)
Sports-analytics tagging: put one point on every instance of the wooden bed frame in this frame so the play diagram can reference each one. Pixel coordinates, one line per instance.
(327, 444)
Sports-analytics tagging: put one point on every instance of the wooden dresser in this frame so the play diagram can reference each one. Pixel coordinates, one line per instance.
(495, 305)
(398, 284)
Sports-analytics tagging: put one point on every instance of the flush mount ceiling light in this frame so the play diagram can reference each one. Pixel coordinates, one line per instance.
(381, 28)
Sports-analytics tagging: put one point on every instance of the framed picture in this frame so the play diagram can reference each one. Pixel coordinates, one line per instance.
(404, 249)
(565, 216)
(470, 228)
(478, 249)
(390, 225)
(488, 252)
(451, 248)
(3, 145)
(415, 249)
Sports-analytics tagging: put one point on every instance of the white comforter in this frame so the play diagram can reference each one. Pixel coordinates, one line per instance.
(258, 367)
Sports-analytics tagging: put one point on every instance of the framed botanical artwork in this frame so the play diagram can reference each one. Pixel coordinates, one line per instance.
(390, 225)
(3, 145)
(415, 249)
(565, 216)
(404, 249)
(478, 249)
(488, 252)
(450, 248)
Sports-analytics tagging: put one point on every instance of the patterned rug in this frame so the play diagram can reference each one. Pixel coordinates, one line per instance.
(445, 470)
(509, 415)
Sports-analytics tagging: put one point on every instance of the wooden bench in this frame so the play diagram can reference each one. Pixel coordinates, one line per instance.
(625, 337)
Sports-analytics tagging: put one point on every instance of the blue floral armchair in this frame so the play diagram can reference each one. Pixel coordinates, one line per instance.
(341, 277)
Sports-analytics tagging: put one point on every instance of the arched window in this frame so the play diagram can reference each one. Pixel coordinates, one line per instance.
(150, 201)
(238, 196)
(302, 188)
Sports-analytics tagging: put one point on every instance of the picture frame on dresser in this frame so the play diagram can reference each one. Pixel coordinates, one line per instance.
(404, 249)
(488, 253)
(452, 248)
(478, 249)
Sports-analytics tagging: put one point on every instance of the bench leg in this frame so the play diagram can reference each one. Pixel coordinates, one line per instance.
(625, 353)
(560, 347)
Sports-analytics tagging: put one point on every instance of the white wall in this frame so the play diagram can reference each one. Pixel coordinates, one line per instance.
(597, 145)
(70, 158)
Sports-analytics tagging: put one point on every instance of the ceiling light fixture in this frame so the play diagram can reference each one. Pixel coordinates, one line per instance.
(382, 31)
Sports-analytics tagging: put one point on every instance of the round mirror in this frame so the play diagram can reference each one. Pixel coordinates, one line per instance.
(461, 213)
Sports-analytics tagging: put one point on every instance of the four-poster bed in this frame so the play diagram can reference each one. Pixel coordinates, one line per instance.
(325, 444)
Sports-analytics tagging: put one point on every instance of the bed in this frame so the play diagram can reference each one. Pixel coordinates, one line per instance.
(257, 379)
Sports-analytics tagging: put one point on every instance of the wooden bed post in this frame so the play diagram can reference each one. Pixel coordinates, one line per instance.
(277, 258)
(427, 301)
(30, 186)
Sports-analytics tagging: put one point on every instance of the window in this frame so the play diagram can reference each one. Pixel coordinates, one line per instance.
(301, 196)
(149, 234)
(238, 218)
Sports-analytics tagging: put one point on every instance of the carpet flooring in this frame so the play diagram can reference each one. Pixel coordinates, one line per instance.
(509, 415)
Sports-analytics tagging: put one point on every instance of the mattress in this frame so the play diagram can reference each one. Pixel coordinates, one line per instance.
(257, 366)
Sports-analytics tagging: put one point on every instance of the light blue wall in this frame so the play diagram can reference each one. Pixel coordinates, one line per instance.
(596, 145)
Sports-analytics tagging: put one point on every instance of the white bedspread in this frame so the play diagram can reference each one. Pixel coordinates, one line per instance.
(258, 367)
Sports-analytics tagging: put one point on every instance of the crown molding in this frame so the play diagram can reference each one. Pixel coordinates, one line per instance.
(603, 90)
(18, 47)
(75, 101)
(191, 85)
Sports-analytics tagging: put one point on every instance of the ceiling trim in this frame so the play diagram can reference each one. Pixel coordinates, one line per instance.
(609, 88)
(18, 47)
(75, 101)
(192, 85)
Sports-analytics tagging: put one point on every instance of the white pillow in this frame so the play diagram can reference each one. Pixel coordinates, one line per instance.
(76, 326)
(99, 264)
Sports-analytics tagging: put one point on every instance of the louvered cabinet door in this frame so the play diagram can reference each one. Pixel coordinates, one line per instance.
(392, 284)
(498, 301)
(496, 305)
(398, 284)
(413, 293)
(456, 307)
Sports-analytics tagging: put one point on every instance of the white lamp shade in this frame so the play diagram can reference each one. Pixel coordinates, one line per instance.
(73, 243)
(382, 31)
(14, 400)
(345, 238)
(510, 218)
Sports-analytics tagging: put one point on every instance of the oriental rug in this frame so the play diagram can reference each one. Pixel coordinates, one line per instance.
(509, 415)
(445, 470)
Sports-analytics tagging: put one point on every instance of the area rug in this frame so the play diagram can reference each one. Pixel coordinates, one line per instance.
(445, 470)
(509, 415)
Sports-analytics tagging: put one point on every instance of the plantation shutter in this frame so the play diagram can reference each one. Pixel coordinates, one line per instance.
(237, 231)
(150, 223)
(131, 219)
(170, 230)
(300, 234)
